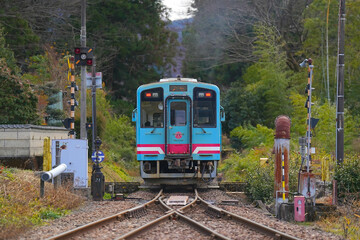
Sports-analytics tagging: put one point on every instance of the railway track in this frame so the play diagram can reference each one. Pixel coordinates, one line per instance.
(199, 219)
(136, 212)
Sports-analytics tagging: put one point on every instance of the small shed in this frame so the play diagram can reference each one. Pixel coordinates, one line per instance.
(26, 141)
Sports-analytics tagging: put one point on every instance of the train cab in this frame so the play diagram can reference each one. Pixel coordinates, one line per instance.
(178, 131)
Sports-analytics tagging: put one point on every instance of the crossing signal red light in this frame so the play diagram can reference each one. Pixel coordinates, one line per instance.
(83, 56)
(77, 50)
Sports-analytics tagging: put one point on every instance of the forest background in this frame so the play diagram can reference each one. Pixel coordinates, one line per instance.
(250, 49)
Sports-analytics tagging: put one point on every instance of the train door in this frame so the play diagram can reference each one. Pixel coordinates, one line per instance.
(178, 124)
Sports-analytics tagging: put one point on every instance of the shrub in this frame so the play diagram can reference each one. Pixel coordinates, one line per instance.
(249, 136)
(21, 207)
(260, 183)
(348, 178)
(119, 138)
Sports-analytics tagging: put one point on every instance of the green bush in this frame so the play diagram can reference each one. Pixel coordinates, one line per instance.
(249, 136)
(260, 183)
(119, 139)
(348, 178)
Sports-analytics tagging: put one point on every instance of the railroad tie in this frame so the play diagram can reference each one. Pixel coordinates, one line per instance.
(213, 212)
(136, 213)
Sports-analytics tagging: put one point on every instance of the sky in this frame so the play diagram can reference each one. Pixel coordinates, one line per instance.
(178, 8)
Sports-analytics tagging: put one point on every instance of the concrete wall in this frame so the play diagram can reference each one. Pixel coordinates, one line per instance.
(26, 141)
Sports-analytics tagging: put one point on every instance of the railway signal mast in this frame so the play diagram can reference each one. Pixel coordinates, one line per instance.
(83, 73)
(307, 179)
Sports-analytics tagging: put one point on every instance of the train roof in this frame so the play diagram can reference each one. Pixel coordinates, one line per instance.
(178, 79)
(175, 80)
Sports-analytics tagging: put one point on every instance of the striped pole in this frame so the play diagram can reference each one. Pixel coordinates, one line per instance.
(283, 174)
(308, 132)
(72, 100)
(309, 104)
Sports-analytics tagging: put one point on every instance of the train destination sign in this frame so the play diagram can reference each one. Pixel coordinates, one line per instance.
(178, 88)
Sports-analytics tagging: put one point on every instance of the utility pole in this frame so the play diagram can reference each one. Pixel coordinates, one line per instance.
(83, 121)
(340, 85)
(93, 91)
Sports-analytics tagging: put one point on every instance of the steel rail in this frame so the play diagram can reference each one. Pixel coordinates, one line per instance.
(201, 227)
(249, 223)
(145, 227)
(103, 221)
(173, 213)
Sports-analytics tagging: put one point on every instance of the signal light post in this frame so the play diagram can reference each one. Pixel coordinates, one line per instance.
(83, 74)
(307, 179)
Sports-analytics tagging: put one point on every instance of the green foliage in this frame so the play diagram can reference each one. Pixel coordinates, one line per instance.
(17, 101)
(7, 54)
(119, 139)
(38, 70)
(141, 46)
(51, 213)
(237, 166)
(241, 107)
(250, 137)
(20, 37)
(118, 168)
(348, 177)
(314, 46)
(298, 115)
(269, 77)
(121, 107)
(107, 196)
(260, 183)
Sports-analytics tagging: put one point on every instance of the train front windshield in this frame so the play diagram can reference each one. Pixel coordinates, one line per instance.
(204, 108)
(152, 108)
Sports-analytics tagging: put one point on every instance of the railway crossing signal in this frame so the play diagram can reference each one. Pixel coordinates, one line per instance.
(83, 56)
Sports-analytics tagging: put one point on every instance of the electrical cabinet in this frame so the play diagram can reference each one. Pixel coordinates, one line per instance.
(73, 153)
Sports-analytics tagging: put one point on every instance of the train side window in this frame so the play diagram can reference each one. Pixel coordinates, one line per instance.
(204, 107)
(152, 108)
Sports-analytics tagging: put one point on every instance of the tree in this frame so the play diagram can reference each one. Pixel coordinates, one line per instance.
(29, 24)
(133, 46)
(228, 37)
(17, 101)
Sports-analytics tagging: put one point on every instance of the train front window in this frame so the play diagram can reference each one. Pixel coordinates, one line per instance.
(152, 108)
(204, 107)
(178, 113)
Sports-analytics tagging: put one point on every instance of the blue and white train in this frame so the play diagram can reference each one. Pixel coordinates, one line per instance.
(178, 131)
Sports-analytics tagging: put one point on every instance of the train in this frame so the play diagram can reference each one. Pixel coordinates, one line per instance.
(178, 131)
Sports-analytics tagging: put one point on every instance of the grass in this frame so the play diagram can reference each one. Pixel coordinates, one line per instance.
(20, 205)
(116, 172)
(347, 224)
